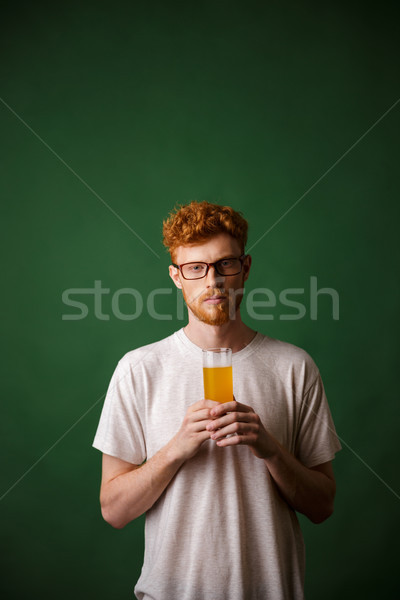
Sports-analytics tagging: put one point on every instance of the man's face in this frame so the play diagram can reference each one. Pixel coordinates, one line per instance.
(214, 299)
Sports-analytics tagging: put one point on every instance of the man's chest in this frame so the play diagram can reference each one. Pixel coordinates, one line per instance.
(168, 396)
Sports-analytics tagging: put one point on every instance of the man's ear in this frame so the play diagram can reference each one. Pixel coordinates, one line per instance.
(175, 276)
(246, 267)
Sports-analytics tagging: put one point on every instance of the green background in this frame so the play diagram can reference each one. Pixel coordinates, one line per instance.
(151, 104)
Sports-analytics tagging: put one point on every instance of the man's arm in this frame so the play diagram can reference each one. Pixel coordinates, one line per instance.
(309, 491)
(128, 490)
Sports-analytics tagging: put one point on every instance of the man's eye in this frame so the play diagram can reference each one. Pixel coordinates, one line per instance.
(225, 263)
(196, 268)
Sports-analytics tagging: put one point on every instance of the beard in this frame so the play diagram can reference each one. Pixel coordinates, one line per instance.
(215, 314)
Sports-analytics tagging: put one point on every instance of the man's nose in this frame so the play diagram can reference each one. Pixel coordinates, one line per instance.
(213, 278)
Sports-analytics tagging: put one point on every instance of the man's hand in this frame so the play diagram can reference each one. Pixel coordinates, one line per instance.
(193, 431)
(241, 420)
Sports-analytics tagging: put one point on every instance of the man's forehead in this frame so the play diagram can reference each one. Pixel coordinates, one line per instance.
(217, 247)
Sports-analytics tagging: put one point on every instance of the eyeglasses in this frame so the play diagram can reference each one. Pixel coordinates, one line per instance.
(224, 267)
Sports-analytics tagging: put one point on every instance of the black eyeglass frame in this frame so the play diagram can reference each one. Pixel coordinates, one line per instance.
(214, 264)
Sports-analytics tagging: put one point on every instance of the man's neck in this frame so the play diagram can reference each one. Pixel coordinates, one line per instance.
(234, 334)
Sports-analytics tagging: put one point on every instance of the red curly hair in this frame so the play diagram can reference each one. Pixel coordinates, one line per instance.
(197, 222)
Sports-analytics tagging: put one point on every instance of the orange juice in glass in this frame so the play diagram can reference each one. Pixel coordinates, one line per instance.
(217, 374)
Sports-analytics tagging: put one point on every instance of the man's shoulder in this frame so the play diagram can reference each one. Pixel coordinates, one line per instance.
(149, 352)
(287, 355)
(284, 349)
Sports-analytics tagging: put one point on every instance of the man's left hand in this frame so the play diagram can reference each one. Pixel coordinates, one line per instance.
(239, 419)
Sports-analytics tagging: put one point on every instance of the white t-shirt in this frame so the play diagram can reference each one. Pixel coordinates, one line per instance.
(220, 530)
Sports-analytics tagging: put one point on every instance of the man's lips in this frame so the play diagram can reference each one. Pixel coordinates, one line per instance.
(215, 299)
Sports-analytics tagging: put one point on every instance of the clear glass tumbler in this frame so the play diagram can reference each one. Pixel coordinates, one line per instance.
(217, 374)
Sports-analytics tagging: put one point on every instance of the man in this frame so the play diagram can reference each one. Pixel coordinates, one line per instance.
(220, 483)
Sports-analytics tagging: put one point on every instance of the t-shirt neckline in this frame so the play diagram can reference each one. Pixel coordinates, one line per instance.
(243, 353)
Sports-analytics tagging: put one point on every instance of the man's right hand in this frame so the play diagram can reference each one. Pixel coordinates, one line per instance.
(193, 433)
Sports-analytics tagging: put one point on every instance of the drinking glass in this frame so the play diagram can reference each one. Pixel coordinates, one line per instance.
(217, 374)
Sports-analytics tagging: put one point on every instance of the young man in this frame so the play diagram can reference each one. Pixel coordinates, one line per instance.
(220, 483)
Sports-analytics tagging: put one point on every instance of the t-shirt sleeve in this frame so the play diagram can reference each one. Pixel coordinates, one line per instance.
(317, 441)
(120, 431)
